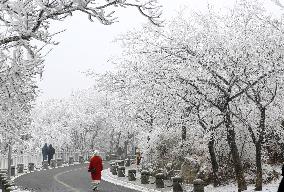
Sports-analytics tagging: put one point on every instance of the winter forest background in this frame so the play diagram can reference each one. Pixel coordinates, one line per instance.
(202, 88)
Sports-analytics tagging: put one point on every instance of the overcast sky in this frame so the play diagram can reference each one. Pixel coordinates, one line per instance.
(88, 45)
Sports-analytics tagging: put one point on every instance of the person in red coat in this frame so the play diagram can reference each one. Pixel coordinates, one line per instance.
(96, 167)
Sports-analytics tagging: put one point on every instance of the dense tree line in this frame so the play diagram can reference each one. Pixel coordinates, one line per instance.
(215, 78)
(25, 38)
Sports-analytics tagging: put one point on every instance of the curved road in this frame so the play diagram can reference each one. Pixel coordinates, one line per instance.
(65, 179)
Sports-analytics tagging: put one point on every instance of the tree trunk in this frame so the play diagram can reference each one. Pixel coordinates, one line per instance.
(231, 138)
(9, 160)
(258, 148)
(214, 162)
(93, 141)
(258, 181)
(117, 141)
(75, 140)
(111, 142)
(125, 149)
(183, 133)
(84, 141)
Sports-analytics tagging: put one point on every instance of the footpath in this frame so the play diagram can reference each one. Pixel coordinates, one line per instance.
(108, 176)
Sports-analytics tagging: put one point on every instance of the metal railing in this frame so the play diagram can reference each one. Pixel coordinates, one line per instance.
(20, 159)
(37, 158)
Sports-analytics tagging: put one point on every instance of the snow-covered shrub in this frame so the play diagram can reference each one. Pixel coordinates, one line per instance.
(270, 173)
(274, 146)
(159, 148)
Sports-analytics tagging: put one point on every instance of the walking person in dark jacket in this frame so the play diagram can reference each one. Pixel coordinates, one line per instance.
(44, 151)
(281, 186)
(51, 152)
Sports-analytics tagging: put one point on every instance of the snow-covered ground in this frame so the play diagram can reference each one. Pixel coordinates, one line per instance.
(123, 181)
(233, 188)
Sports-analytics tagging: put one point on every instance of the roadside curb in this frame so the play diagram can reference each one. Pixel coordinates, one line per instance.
(107, 176)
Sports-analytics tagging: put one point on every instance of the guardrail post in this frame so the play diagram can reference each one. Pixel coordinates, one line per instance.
(64, 157)
(53, 163)
(3, 181)
(160, 180)
(127, 162)
(59, 162)
(81, 159)
(111, 166)
(121, 171)
(45, 164)
(20, 168)
(131, 175)
(71, 160)
(198, 185)
(177, 184)
(145, 177)
(3, 174)
(76, 157)
(8, 186)
(31, 167)
(114, 169)
(13, 170)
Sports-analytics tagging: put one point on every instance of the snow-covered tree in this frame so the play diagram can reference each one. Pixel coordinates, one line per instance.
(24, 35)
(79, 120)
(200, 71)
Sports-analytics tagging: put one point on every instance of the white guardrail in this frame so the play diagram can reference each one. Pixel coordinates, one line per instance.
(23, 158)
(37, 158)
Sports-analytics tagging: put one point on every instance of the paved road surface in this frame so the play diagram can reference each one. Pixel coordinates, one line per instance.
(66, 179)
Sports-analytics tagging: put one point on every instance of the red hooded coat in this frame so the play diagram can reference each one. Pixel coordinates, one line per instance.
(96, 163)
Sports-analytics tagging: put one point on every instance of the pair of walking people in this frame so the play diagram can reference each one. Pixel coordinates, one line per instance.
(48, 152)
